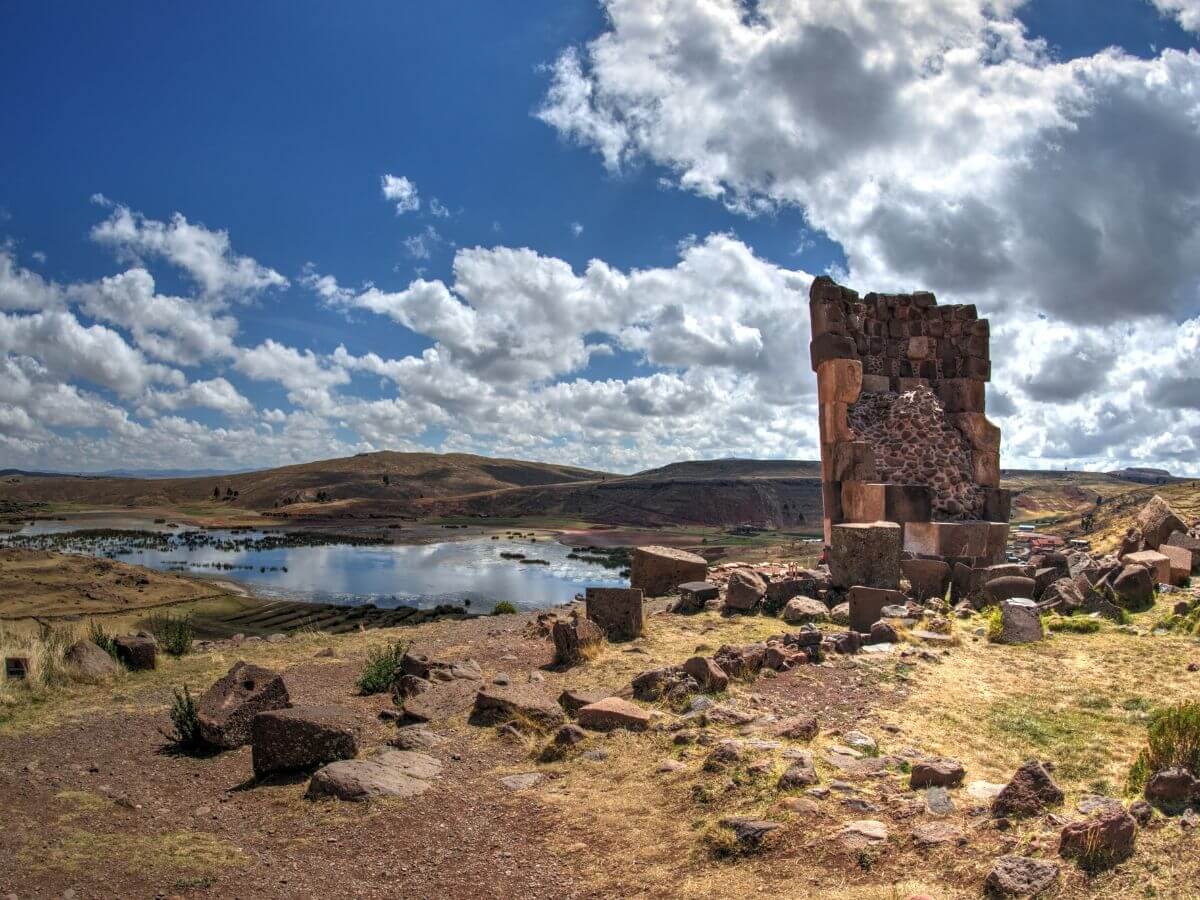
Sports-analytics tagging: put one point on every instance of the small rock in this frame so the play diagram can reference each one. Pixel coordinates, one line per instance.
(522, 782)
(670, 765)
(750, 832)
(569, 735)
(613, 713)
(1029, 792)
(931, 834)
(863, 833)
(859, 741)
(938, 802)
(1021, 876)
(1104, 838)
(938, 772)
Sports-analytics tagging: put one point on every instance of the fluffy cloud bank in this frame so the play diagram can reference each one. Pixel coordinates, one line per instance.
(942, 147)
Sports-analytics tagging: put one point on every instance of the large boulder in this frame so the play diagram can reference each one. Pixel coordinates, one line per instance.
(1134, 587)
(90, 662)
(659, 570)
(391, 773)
(1158, 522)
(1080, 563)
(618, 611)
(1132, 542)
(800, 610)
(1030, 791)
(744, 590)
(1190, 542)
(1180, 561)
(929, 577)
(1019, 623)
(302, 737)
(1158, 564)
(526, 704)
(137, 651)
(866, 554)
(780, 592)
(226, 711)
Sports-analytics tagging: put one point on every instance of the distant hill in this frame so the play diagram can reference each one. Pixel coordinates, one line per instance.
(1143, 475)
(767, 493)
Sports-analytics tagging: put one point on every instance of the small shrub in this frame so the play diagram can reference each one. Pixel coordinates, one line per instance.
(174, 633)
(503, 608)
(102, 639)
(1173, 739)
(993, 623)
(382, 667)
(185, 723)
(1072, 624)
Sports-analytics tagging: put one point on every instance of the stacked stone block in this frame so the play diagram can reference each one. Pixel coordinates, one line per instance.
(903, 430)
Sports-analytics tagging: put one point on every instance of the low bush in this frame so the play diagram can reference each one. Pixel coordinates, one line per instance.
(1072, 624)
(993, 623)
(382, 667)
(174, 633)
(102, 639)
(185, 723)
(503, 608)
(1172, 739)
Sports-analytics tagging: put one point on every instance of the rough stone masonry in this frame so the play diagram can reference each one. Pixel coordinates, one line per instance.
(904, 435)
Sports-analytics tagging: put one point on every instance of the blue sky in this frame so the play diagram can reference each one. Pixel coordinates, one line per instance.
(275, 123)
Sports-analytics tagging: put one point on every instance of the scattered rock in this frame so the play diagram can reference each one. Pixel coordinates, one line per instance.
(1021, 876)
(1171, 788)
(302, 737)
(938, 802)
(1135, 587)
(1102, 839)
(1157, 522)
(137, 651)
(90, 662)
(799, 775)
(1142, 812)
(390, 773)
(863, 833)
(659, 570)
(938, 772)
(523, 782)
(226, 711)
(1029, 792)
(750, 832)
(576, 641)
(863, 743)
(932, 834)
(744, 590)
(613, 713)
(569, 735)
(668, 766)
(572, 700)
(800, 728)
(1019, 622)
(528, 703)
(416, 737)
(801, 610)
(619, 612)
(710, 676)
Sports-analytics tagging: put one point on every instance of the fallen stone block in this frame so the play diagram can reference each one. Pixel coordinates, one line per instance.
(1180, 562)
(1158, 564)
(865, 554)
(802, 610)
(1020, 622)
(618, 611)
(524, 703)
(301, 737)
(866, 605)
(1157, 522)
(613, 713)
(91, 662)
(226, 711)
(576, 641)
(929, 578)
(744, 590)
(137, 651)
(659, 570)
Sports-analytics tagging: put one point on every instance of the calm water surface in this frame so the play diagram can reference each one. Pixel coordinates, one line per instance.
(451, 572)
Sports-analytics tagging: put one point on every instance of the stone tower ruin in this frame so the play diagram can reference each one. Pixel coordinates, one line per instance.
(904, 435)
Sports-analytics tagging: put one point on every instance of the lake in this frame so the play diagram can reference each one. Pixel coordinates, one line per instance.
(386, 575)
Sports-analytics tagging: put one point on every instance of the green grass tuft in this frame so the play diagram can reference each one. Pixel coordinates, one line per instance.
(504, 608)
(382, 667)
(174, 633)
(1172, 739)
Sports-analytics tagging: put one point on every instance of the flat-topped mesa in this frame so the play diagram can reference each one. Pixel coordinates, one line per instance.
(904, 438)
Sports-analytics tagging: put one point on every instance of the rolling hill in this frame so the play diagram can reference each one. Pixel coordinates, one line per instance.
(766, 493)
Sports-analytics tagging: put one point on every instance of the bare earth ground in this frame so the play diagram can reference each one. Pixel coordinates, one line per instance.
(94, 803)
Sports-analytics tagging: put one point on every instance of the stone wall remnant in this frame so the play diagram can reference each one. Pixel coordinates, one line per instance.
(903, 430)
